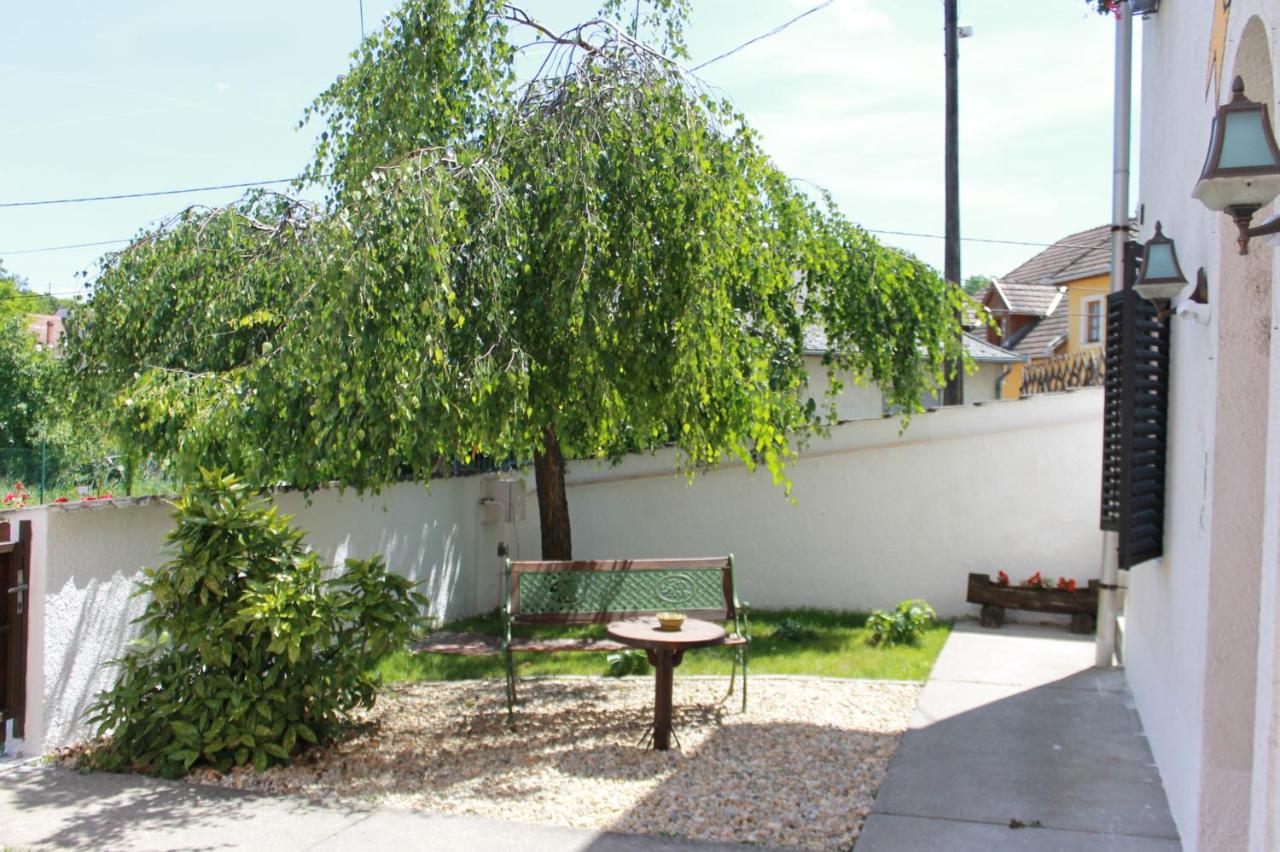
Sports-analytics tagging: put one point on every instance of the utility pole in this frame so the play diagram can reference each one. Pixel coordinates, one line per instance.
(954, 391)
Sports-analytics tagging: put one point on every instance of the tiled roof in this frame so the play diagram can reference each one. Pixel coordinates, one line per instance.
(1043, 336)
(1081, 255)
(974, 310)
(1035, 299)
(982, 351)
(1032, 286)
(815, 343)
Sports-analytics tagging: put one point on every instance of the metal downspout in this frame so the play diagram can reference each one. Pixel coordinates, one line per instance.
(1108, 597)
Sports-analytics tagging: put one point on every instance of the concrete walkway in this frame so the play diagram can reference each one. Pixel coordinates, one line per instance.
(43, 807)
(1016, 724)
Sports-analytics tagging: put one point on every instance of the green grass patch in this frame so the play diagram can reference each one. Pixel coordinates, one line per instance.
(785, 641)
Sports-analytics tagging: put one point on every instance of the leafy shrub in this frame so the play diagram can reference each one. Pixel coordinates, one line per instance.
(630, 662)
(247, 651)
(904, 626)
(791, 630)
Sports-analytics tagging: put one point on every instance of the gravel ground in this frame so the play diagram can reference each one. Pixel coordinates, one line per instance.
(800, 768)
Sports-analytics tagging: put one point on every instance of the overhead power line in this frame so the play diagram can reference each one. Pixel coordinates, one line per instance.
(779, 28)
(983, 240)
(66, 246)
(121, 196)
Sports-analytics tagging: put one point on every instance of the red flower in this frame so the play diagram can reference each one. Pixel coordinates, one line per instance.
(87, 499)
(10, 497)
(60, 500)
(1071, 585)
(105, 495)
(18, 485)
(1002, 579)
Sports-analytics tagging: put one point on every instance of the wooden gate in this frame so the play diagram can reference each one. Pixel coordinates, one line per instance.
(15, 577)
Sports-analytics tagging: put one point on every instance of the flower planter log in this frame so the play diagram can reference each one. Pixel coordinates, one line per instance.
(1081, 605)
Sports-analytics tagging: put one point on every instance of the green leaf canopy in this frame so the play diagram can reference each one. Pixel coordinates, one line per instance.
(605, 252)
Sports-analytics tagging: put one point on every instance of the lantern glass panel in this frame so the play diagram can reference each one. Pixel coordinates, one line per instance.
(1160, 264)
(1244, 142)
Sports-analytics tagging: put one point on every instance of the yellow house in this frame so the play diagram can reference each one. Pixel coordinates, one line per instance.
(1052, 310)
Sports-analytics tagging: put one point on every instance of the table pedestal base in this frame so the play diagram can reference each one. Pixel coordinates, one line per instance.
(664, 661)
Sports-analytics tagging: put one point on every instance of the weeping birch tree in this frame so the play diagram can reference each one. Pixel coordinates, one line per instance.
(596, 258)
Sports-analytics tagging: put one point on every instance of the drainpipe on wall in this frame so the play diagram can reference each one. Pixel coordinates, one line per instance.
(1108, 595)
(1004, 374)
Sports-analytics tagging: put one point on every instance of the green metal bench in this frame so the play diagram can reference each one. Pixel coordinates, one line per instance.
(580, 592)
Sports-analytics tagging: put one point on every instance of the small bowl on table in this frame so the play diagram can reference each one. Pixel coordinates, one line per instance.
(670, 621)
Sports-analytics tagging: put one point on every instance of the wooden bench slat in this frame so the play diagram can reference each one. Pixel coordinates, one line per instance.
(620, 564)
(579, 618)
(520, 643)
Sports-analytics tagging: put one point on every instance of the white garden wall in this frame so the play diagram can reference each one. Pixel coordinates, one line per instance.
(878, 516)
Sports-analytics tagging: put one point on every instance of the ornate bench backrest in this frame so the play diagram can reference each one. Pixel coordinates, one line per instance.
(598, 592)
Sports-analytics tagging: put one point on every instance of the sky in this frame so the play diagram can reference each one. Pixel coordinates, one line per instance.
(141, 95)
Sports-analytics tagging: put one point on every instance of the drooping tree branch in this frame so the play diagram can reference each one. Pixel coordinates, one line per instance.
(601, 260)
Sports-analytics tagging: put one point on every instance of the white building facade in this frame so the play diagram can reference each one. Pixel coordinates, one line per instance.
(1201, 640)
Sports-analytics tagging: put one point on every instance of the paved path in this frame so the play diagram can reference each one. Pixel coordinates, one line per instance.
(1016, 724)
(43, 807)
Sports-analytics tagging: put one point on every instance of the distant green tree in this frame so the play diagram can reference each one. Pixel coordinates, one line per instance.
(25, 371)
(975, 284)
(16, 296)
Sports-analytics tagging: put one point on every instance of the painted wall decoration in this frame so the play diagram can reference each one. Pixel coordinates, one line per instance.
(1217, 48)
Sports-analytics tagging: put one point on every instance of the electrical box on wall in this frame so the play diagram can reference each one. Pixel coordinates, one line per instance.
(501, 500)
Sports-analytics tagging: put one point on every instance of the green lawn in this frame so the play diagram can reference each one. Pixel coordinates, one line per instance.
(812, 642)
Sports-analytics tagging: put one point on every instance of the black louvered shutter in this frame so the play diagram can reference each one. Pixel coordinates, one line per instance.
(1134, 424)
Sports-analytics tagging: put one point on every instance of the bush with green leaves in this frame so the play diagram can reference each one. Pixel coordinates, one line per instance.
(627, 662)
(247, 651)
(793, 630)
(904, 626)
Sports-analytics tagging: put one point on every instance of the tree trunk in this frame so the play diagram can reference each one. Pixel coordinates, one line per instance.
(553, 499)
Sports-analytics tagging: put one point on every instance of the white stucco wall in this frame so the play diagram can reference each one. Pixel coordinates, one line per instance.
(427, 534)
(855, 401)
(878, 516)
(1182, 652)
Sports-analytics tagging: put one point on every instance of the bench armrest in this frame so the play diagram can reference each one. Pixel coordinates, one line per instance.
(741, 619)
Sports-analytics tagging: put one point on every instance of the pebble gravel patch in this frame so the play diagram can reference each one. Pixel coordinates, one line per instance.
(800, 768)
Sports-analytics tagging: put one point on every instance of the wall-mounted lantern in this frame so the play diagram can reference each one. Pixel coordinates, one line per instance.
(1145, 7)
(1160, 279)
(1242, 171)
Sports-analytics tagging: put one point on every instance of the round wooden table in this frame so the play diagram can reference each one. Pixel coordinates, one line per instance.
(665, 649)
